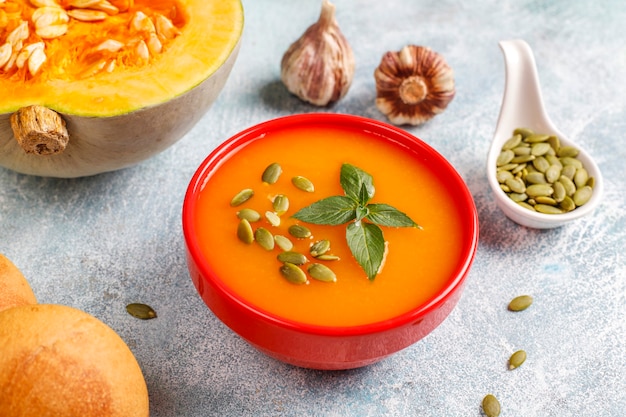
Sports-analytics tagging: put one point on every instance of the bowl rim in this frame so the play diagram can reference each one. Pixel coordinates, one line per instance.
(393, 133)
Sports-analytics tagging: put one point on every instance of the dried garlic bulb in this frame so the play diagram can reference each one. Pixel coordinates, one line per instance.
(319, 66)
(413, 85)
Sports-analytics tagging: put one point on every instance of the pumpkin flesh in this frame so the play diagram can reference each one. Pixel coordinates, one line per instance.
(120, 106)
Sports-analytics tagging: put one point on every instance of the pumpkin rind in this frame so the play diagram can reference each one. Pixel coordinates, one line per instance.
(118, 119)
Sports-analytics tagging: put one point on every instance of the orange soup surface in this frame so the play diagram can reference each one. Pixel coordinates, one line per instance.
(418, 264)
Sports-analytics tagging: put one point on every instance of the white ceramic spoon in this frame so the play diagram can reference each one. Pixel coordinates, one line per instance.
(522, 106)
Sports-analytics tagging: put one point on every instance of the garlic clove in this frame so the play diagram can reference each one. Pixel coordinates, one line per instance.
(319, 66)
(413, 85)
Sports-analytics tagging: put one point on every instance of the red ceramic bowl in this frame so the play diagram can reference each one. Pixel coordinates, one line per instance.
(321, 347)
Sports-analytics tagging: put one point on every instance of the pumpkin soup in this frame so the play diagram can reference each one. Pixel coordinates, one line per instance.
(418, 262)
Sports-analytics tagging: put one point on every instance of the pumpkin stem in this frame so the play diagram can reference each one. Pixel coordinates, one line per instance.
(39, 130)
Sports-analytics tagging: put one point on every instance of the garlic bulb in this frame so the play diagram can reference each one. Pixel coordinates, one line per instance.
(413, 85)
(319, 66)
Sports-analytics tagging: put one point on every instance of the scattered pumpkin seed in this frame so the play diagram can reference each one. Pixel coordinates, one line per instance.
(293, 273)
(241, 197)
(280, 204)
(520, 303)
(299, 231)
(292, 257)
(264, 238)
(271, 173)
(272, 218)
(491, 406)
(249, 214)
(244, 231)
(141, 311)
(283, 242)
(303, 184)
(321, 273)
(319, 248)
(517, 359)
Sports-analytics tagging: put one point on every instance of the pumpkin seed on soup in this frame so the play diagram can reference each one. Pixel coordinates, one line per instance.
(249, 214)
(303, 184)
(244, 231)
(321, 273)
(264, 238)
(299, 231)
(293, 273)
(241, 197)
(271, 173)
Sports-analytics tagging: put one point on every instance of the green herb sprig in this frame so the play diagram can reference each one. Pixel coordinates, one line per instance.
(363, 234)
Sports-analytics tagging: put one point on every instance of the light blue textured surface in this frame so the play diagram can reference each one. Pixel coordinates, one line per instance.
(99, 243)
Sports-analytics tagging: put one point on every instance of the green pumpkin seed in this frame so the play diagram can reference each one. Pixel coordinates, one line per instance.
(591, 182)
(535, 178)
(505, 157)
(547, 209)
(241, 197)
(580, 177)
(328, 257)
(569, 171)
(546, 200)
(141, 311)
(520, 159)
(291, 257)
(559, 192)
(554, 142)
(502, 176)
(541, 164)
(299, 231)
(526, 205)
(491, 406)
(521, 150)
(535, 190)
(321, 273)
(535, 138)
(249, 214)
(280, 204)
(568, 160)
(516, 185)
(568, 184)
(264, 238)
(567, 204)
(303, 184)
(540, 149)
(271, 173)
(582, 195)
(518, 169)
(283, 242)
(524, 132)
(512, 142)
(553, 160)
(244, 231)
(319, 248)
(272, 218)
(507, 167)
(518, 197)
(293, 273)
(553, 173)
(517, 359)
(505, 188)
(520, 303)
(567, 151)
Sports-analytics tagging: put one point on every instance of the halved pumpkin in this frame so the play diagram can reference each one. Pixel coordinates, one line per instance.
(97, 85)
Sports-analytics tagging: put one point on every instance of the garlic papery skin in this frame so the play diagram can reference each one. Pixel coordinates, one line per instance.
(413, 85)
(319, 66)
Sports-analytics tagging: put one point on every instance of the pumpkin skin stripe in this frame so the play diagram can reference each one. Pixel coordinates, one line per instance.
(128, 110)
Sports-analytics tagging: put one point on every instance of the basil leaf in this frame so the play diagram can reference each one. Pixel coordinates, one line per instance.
(367, 244)
(386, 215)
(331, 211)
(353, 180)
